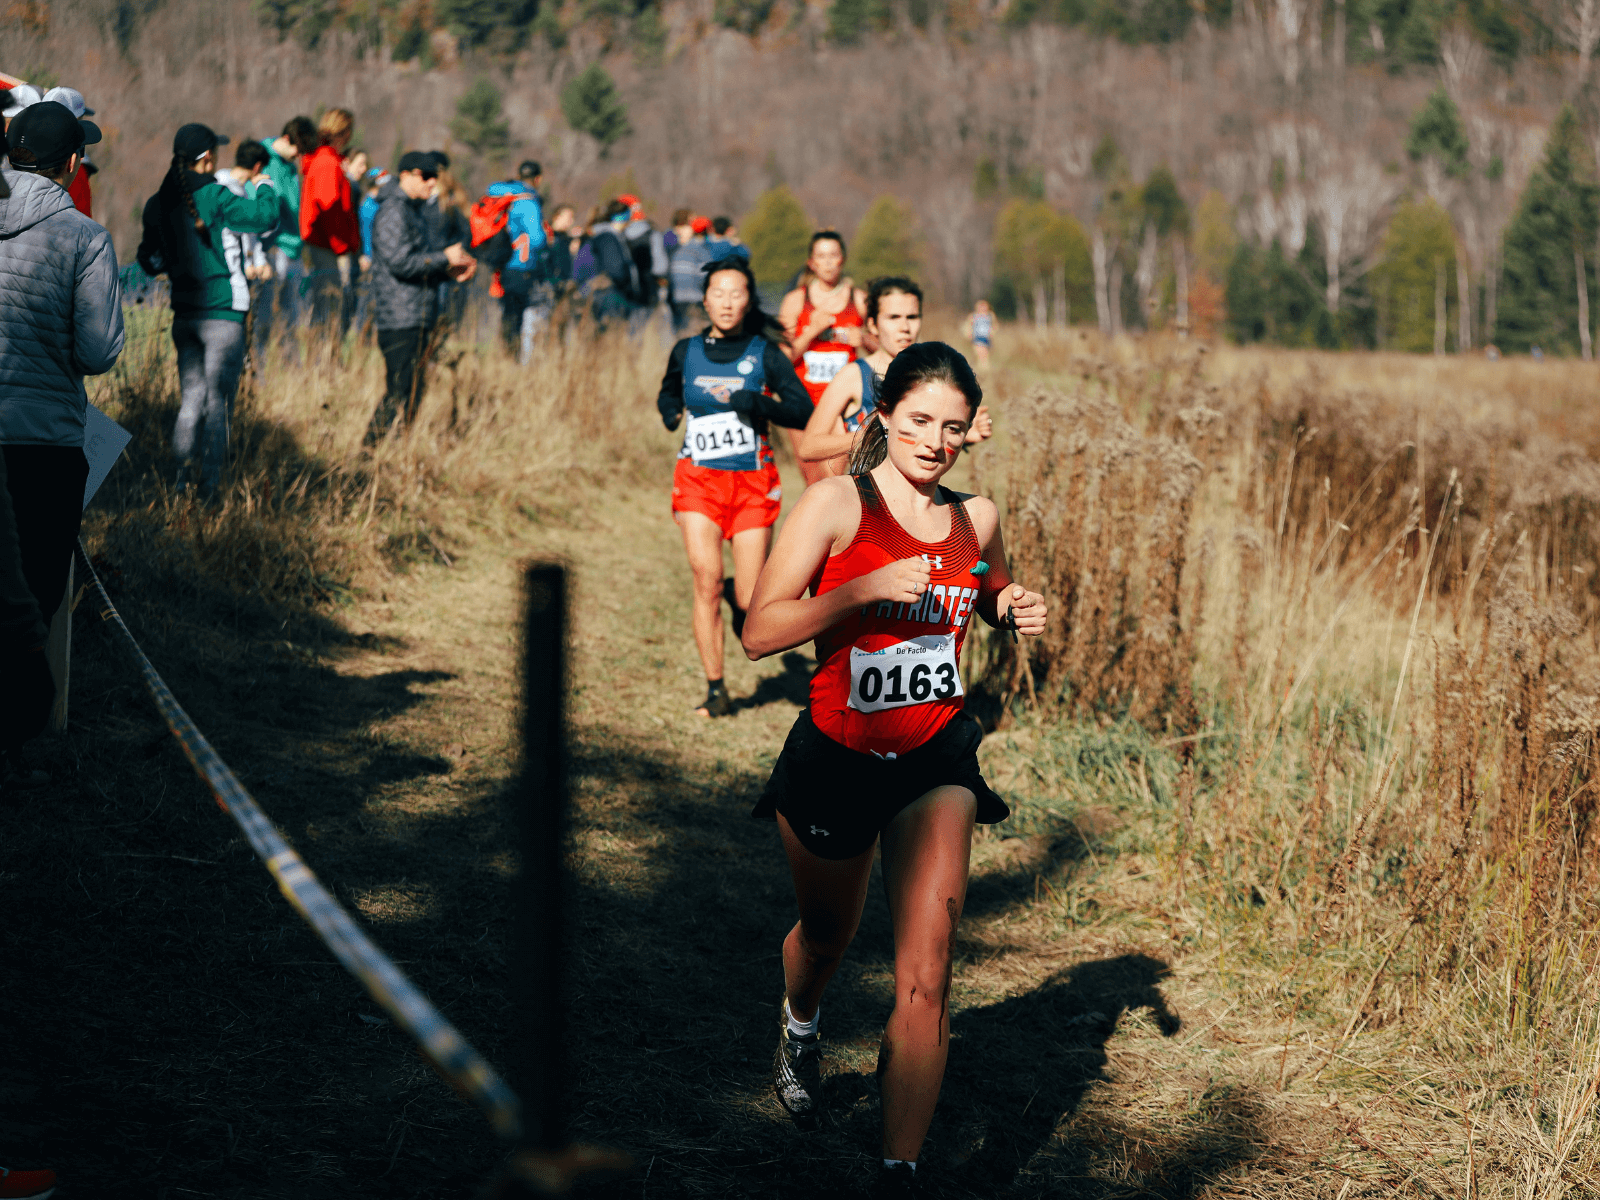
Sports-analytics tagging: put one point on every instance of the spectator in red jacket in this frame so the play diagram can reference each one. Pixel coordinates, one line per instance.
(328, 221)
(79, 189)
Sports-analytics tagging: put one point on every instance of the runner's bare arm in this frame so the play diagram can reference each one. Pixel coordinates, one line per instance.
(825, 436)
(856, 335)
(781, 615)
(997, 591)
(982, 427)
(789, 317)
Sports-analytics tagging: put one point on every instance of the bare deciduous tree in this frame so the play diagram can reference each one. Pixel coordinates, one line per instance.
(1349, 193)
(1577, 22)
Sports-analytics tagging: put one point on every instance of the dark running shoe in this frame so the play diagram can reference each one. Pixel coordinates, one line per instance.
(797, 1074)
(717, 702)
(728, 594)
(894, 1182)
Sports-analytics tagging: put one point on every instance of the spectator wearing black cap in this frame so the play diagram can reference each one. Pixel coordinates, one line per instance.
(60, 319)
(405, 272)
(79, 190)
(184, 239)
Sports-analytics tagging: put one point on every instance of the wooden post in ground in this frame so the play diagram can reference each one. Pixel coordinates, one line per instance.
(538, 972)
(58, 651)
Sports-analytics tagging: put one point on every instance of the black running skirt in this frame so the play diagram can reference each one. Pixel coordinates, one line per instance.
(837, 800)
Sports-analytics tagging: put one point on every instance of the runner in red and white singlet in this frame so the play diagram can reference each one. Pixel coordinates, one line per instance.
(888, 675)
(824, 319)
(894, 321)
(884, 569)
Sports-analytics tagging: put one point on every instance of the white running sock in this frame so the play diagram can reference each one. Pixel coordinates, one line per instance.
(900, 1162)
(798, 1027)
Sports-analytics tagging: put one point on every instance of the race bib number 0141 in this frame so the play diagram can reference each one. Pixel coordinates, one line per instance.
(911, 672)
(720, 435)
(823, 365)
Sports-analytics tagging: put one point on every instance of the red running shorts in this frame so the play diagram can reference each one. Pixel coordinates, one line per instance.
(735, 500)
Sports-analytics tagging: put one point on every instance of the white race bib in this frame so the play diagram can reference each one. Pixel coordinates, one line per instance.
(823, 365)
(720, 435)
(912, 672)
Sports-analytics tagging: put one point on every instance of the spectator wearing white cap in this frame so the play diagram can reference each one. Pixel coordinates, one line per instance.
(72, 100)
(21, 96)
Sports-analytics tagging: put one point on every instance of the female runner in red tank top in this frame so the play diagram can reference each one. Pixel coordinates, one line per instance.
(895, 566)
(824, 319)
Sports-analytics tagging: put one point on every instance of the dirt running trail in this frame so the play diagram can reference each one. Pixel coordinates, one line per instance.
(683, 900)
(183, 1034)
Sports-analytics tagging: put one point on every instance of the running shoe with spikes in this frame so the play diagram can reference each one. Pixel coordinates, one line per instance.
(797, 1074)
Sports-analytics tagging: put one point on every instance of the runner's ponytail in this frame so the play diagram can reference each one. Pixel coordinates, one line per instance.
(173, 188)
(871, 448)
(918, 364)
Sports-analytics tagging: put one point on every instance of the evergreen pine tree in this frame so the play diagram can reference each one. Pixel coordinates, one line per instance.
(886, 242)
(592, 105)
(1554, 224)
(778, 233)
(480, 121)
(1437, 132)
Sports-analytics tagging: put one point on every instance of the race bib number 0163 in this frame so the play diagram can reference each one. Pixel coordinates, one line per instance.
(720, 435)
(912, 672)
(823, 365)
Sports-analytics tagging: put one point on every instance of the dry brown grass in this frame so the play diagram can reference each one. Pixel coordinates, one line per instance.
(1386, 804)
(1298, 897)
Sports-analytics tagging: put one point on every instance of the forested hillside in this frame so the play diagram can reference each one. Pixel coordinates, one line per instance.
(1408, 173)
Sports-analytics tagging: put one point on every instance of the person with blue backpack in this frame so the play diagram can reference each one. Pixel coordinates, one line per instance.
(725, 486)
(526, 294)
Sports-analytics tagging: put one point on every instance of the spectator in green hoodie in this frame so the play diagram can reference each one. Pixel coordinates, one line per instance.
(183, 239)
(280, 297)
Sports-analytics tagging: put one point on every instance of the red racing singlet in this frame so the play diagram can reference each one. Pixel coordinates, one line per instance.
(825, 359)
(889, 676)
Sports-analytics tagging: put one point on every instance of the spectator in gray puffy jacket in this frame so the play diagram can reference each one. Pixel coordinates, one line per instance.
(60, 319)
(405, 274)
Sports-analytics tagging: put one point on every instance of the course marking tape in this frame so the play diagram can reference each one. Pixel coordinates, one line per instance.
(451, 1054)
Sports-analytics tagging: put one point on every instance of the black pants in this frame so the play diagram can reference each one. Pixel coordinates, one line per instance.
(404, 364)
(522, 291)
(46, 486)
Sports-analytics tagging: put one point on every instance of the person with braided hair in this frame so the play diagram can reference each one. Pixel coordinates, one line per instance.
(183, 239)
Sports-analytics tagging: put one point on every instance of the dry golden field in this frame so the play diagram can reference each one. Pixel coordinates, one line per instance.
(1298, 898)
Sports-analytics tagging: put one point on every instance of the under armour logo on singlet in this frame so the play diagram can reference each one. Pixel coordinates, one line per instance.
(937, 561)
(823, 832)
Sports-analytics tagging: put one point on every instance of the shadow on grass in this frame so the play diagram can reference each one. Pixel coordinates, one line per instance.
(792, 686)
(183, 1027)
(678, 982)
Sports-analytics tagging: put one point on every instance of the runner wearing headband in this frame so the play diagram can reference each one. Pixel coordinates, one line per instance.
(894, 320)
(725, 486)
(824, 319)
(895, 565)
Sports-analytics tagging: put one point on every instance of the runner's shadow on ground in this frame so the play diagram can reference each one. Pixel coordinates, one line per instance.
(1022, 1069)
(793, 686)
